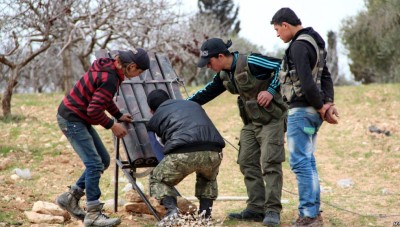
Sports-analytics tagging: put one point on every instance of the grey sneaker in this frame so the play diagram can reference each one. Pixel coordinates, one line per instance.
(69, 201)
(271, 218)
(95, 217)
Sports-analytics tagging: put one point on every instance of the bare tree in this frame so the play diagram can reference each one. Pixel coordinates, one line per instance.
(29, 24)
(185, 52)
(113, 24)
(84, 26)
(224, 11)
(71, 31)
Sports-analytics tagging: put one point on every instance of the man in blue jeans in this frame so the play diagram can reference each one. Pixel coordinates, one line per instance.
(84, 106)
(306, 85)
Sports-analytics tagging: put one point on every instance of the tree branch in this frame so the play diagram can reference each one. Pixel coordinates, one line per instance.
(34, 54)
(5, 61)
(16, 45)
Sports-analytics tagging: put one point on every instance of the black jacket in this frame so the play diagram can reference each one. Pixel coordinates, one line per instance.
(185, 127)
(302, 56)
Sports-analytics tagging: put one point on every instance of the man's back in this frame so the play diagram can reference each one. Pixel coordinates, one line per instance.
(192, 144)
(184, 126)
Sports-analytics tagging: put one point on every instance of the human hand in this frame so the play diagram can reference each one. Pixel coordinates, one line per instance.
(118, 130)
(323, 110)
(126, 117)
(332, 115)
(264, 98)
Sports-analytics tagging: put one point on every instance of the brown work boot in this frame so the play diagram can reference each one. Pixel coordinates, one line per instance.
(307, 222)
(320, 219)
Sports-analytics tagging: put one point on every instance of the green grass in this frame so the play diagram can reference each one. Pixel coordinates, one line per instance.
(8, 218)
(4, 150)
(12, 119)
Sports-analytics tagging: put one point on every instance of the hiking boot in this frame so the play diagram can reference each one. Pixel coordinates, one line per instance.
(307, 222)
(95, 217)
(205, 207)
(170, 203)
(247, 215)
(272, 218)
(171, 217)
(69, 201)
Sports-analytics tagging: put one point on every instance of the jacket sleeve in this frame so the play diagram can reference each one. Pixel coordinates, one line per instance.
(208, 92)
(102, 100)
(154, 124)
(327, 85)
(301, 53)
(151, 125)
(265, 68)
(114, 111)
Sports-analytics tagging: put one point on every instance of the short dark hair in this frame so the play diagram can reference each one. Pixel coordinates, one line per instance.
(285, 15)
(156, 97)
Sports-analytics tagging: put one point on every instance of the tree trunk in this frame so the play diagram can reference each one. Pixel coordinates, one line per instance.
(332, 58)
(34, 79)
(67, 70)
(8, 92)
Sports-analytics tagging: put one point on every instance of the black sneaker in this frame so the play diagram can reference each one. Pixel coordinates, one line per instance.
(272, 218)
(247, 215)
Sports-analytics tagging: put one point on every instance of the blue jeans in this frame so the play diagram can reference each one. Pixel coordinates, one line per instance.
(303, 125)
(91, 150)
(158, 149)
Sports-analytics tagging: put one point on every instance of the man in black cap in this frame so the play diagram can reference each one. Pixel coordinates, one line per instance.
(254, 78)
(308, 90)
(191, 144)
(84, 106)
(137, 57)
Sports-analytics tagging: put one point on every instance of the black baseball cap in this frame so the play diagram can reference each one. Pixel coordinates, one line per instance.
(138, 56)
(211, 48)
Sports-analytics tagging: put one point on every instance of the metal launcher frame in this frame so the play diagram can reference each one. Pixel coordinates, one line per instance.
(132, 98)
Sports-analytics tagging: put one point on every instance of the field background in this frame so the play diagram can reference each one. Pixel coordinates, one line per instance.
(31, 139)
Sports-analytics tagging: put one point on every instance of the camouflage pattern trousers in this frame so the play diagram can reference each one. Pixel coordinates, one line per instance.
(173, 168)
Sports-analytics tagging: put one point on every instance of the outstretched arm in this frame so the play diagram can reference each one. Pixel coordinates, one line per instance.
(208, 92)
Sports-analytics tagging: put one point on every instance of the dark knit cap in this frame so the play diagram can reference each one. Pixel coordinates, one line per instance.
(156, 98)
(138, 56)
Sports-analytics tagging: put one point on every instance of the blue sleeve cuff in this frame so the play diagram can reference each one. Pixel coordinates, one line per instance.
(271, 90)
